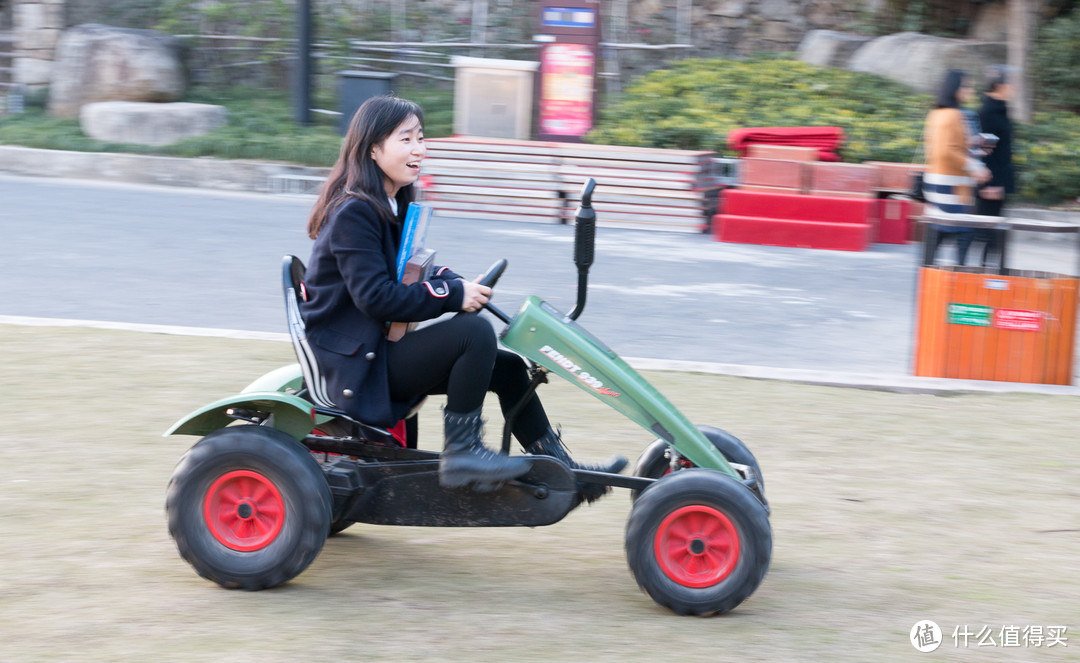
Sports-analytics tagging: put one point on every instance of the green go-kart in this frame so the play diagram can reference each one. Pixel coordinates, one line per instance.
(279, 468)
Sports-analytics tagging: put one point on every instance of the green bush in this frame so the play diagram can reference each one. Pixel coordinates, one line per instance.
(1056, 60)
(694, 104)
(1047, 158)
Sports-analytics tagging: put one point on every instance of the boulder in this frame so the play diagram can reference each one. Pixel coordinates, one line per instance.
(829, 48)
(920, 61)
(149, 123)
(102, 63)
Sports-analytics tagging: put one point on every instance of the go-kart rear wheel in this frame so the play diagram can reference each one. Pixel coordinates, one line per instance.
(698, 542)
(248, 507)
(654, 463)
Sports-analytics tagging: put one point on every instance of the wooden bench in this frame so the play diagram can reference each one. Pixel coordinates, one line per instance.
(473, 177)
(782, 219)
(483, 178)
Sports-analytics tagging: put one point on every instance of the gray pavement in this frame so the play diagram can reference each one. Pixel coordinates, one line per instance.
(174, 256)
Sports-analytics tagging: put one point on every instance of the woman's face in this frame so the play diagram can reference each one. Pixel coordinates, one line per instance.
(400, 154)
(965, 92)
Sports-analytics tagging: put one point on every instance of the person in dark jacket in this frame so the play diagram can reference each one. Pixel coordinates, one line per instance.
(353, 293)
(994, 119)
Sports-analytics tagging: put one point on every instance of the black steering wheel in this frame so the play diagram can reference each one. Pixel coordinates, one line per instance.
(490, 278)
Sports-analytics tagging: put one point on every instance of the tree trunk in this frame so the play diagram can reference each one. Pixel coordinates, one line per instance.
(1021, 26)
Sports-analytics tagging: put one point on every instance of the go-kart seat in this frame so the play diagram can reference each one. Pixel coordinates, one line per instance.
(292, 282)
(292, 273)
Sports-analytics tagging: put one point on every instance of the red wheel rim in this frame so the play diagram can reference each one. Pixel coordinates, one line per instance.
(697, 546)
(244, 510)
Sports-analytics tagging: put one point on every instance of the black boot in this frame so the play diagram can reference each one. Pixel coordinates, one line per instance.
(551, 445)
(465, 460)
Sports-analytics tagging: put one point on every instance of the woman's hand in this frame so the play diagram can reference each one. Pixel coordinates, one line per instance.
(476, 296)
(983, 174)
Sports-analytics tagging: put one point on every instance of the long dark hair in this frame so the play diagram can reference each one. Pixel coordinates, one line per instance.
(953, 81)
(355, 174)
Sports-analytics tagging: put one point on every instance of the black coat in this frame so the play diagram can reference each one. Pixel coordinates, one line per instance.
(352, 294)
(994, 117)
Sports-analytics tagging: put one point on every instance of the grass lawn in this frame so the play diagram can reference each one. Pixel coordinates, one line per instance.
(887, 509)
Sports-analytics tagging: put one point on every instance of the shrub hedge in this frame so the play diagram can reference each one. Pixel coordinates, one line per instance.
(695, 103)
(1056, 62)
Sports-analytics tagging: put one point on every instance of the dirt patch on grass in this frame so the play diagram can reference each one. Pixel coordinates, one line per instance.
(887, 509)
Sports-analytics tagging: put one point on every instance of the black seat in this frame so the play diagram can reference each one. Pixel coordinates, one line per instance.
(292, 274)
(292, 283)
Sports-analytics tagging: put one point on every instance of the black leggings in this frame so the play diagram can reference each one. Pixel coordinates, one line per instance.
(460, 358)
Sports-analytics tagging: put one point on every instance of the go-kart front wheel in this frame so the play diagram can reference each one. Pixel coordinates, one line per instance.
(654, 462)
(248, 507)
(698, 542)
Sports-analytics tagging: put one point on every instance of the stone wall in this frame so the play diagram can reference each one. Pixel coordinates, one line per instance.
(717, 27)
(37, 27)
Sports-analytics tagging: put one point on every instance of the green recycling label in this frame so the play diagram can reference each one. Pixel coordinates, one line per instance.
(969, 314)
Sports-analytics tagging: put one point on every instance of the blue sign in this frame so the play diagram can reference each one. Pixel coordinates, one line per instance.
(568, 17)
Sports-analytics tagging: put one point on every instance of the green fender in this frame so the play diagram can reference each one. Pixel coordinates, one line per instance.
(552, 340)
(271, 393)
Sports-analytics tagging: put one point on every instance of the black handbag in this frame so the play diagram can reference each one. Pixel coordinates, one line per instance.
(916, 190)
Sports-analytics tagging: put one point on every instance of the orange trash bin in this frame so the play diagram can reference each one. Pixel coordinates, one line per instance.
(1002, 324)
(984, 326)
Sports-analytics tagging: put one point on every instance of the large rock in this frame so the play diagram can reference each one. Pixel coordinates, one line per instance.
(102, 63)
(920, 61)
(829, 48)
(148, 123)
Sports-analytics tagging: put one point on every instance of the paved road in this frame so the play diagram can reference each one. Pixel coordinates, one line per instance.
(172, 256)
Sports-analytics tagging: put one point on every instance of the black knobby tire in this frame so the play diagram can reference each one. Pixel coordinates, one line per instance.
(652, 462)
(248, 507)
(698, 542)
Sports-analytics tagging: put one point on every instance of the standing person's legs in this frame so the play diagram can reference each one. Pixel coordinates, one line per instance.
(963, 243)
(992, 239)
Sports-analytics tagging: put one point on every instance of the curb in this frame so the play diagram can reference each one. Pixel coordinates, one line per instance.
(202, 173)
(902, 384)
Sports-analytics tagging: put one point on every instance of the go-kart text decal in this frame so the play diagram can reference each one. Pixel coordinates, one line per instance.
(588, 380)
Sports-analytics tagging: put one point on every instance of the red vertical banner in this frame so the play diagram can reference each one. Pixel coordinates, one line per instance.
(566, 89)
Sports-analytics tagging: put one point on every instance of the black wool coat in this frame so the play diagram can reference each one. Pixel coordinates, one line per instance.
(353, 292)
(994, 117)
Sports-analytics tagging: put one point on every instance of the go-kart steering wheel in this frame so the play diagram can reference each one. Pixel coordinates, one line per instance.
(490, 278)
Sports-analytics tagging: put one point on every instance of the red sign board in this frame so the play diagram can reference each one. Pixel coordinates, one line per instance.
(566, 95)
(1018, 320)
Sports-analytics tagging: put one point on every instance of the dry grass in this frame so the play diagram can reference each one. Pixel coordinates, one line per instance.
(887, 509)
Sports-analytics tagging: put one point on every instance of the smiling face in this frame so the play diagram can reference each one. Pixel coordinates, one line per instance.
(399, 156)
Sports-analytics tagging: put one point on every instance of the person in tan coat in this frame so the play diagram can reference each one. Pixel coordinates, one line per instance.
(952, 170)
